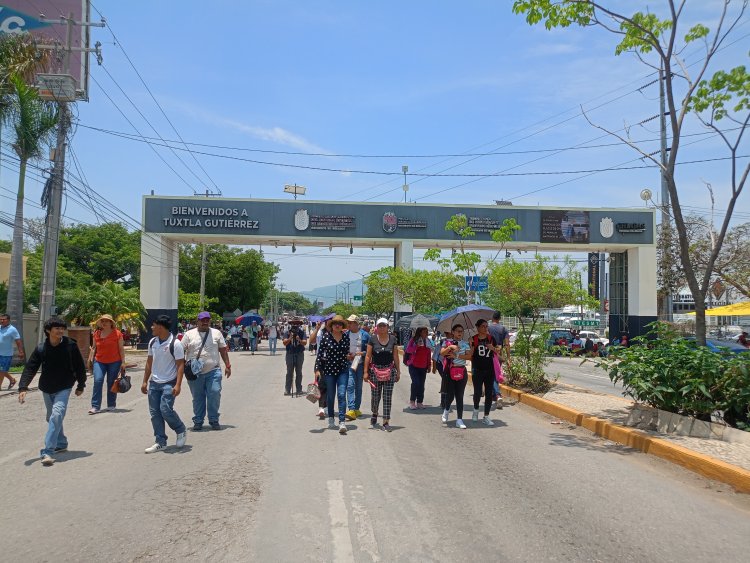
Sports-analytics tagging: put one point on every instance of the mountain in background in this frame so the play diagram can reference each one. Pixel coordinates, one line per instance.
(328, 294)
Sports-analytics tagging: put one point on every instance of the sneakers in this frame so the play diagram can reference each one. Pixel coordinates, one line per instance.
(342, 428)
(61, 450)
(475, 415)
(444, 418)
(460, 424)
(287, 393)
(47, 460)
(94, 410)
(197, 427)
(111, 409)
(421, 406)
(182, 438)
(373, 421)
(321, 414)
(215, 426)
(357, 413)
(499, 403)
(412, 405)
(351, 414)
(155, 448)
(487, 421)
(331, 424)
(387, 427)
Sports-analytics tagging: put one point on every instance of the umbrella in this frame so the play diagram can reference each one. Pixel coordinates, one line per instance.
(465, 316)
(416, 321)
(248, 318)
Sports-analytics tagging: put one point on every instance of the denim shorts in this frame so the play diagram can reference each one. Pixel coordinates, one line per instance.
(5, 362)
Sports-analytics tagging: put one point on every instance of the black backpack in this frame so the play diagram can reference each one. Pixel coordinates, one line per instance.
(171, 345)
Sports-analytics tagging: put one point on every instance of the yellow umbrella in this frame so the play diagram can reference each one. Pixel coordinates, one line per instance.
(733, 310)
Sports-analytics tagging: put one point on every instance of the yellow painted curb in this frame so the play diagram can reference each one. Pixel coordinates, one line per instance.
(707, 466)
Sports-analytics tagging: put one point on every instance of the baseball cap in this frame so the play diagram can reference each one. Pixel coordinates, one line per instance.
(353, 319)
(204, 315)
(382, 321)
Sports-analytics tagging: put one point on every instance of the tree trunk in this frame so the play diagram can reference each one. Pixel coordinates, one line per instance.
(15, 280)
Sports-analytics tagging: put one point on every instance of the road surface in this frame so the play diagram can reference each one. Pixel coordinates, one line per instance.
(588, 376)
(275, 485)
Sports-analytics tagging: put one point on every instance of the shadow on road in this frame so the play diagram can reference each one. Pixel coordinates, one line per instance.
(70, 455)
(175, 450)
(589, 443)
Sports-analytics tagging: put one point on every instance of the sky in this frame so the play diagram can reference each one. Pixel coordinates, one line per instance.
(397, 83)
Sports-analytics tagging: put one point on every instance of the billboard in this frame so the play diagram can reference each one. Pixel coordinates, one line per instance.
(565, 226)
(18, 16)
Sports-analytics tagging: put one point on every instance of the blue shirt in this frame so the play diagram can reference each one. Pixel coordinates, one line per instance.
(8, 335)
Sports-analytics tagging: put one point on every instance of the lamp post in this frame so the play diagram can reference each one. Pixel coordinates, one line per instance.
(295, 189)
(405, 169)
(362, 289)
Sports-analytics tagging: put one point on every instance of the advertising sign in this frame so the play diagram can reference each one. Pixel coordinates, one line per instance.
(565, 226)
(18, 16)
(593, 278)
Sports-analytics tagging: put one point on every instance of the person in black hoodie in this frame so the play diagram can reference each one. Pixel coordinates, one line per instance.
(62, 366)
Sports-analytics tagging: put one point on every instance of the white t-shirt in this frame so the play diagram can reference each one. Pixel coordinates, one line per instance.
(272, 333)
(355, 341)
(210, 353)
(163, 366)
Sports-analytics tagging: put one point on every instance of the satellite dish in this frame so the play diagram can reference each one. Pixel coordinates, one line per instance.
(646, 194)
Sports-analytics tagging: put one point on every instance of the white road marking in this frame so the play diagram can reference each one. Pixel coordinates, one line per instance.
(343, 551)
(365, 532)
(13, 455)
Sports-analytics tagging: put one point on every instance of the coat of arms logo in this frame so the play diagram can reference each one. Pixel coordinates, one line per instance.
(607, 227)
(390, 222)
(301, 220)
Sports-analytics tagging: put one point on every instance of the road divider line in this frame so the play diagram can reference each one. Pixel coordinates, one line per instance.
(707, 466)
(343, 551)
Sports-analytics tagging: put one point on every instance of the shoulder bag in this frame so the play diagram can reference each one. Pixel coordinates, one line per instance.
(195, 366)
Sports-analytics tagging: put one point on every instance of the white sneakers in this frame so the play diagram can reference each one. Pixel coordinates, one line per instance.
(444, 418)
(342, 428)
(47, 460)
(487, 422)
(331, 424)
(155, 448)
(475, 415)
(181, 439)
(460, 424)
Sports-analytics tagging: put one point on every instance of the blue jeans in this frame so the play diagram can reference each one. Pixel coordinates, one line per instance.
(206, 391)
(354, 386)
(253, 344)
(100, 370)
(57, 404)
(336, 387)
(161, 407)
(272, 345)
(418, 377)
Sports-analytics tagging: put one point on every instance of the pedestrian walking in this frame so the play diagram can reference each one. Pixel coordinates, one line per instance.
(252, 334)
(106, 360)
(162, 382)
(483, 346)
(321, 330)
(245, 338)
(437, 364)
(502, 338)
(455, 351)
(8, 337)
(294, 340)
(204, 349)
(332, 364)
(273, 336)
(383, 369)
(358, 340)
(419, 353)
(62, 367)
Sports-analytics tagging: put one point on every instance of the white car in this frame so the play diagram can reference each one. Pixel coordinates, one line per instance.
(588, 334)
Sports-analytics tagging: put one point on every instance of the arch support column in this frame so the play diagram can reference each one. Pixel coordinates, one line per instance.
(160, 263)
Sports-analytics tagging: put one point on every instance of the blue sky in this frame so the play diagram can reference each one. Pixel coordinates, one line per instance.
(372, 78)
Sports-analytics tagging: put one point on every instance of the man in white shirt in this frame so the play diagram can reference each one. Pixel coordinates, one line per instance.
(358, 340)
(162, 381)
(204, 347)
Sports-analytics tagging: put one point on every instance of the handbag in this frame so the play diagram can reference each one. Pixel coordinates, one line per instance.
(313, 393)
(498, 367)
(195, 366)
(457, 373)
(121, 385)
(383, 374)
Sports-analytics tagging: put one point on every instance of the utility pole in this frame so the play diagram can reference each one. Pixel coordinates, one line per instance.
(203, 277)
(665, 220)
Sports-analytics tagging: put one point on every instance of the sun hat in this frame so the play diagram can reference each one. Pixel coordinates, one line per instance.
(353, 319)
(105, 317)
(338, 319)
(204, 315)
(381, 321)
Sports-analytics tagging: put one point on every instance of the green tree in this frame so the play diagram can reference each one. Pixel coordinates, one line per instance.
(464, 261)
(188, 305)
(84, 306)
(293, 301)
(425, 291)
(33, 122)
(341, 308)
(5, 246)
(719, 101)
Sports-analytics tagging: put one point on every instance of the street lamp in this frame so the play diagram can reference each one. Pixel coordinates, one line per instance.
(362, 289)
(405, 169)
(295, 189)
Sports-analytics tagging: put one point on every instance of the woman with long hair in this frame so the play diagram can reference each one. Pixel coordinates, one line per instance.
(483, 346)
(382, 368)
(419, 349)
(332, 363)
(456, 351)
(106, 358)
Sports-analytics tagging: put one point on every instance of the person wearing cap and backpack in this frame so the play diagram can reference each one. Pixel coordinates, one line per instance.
(162, 382)
(62, 367)
(483, 346)
(204, 348)
(106, 358)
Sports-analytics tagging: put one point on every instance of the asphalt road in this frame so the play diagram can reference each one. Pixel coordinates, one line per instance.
(588, 376)
(274, 485)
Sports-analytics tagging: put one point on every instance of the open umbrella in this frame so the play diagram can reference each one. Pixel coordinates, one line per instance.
(416, 321)
(248, 319)
(466, 316)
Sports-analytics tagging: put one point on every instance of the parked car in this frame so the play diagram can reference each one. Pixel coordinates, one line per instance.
(721, 346)
(556, 334)
(588, 334)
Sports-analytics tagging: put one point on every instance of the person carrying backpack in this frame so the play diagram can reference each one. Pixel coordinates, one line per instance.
(483, 346)
(417, 357)
(162, 382)
(62, 367)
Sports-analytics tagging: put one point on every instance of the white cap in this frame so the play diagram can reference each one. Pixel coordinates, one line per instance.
(382, 321)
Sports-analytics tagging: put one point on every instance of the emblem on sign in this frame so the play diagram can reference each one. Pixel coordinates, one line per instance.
(390, 222)
(301, 220)
(607, 227)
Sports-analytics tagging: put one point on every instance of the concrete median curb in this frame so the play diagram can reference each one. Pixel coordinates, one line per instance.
(704, 465)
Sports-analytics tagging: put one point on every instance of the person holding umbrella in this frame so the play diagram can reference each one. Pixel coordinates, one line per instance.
(382, 367)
